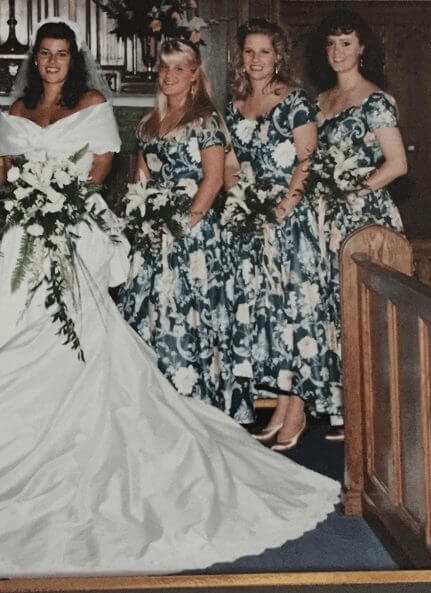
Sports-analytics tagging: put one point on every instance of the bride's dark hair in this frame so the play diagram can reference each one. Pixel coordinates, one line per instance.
(75, 84)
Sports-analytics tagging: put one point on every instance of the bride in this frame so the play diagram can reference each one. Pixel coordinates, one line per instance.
(104, 468)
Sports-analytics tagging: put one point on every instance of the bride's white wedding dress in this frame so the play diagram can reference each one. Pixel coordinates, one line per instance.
(104, 468)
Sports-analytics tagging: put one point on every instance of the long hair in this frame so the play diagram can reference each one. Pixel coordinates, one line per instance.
(198, 104)
(240, 85)
(338, 22)
(75, 84)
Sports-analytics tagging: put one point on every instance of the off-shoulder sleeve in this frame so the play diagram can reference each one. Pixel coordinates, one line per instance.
(301, 109)
(211, 132)
(381, 111)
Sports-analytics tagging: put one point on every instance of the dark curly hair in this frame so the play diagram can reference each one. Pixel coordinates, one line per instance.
(338, 22)
(75, 84)
(240, 84)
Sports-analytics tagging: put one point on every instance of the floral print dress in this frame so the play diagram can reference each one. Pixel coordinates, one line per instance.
(355, 126)
(275, 313)
(175, 299)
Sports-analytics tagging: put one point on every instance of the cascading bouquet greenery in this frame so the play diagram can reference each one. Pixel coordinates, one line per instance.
(154, 209)
(154, 18)
(48, 199)
(250, 203)
(335, 173)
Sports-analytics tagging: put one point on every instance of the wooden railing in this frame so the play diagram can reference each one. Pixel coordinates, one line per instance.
(387, 388)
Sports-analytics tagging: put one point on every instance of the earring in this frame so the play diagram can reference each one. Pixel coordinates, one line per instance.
(192, 90)
(361, 63)
(277, 68)
(243, 70)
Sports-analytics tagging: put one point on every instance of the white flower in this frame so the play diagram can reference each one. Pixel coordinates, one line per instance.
(62, 178)
(55, 203)
(229, 288)
(153, 162)
(13, 174)
(178, 331)
(35, 230)
(284, 380)
(160, 200)
(287, 336)
(22, 192)
(8, 205)
(243, 369)
(307, 347)
(246, 269)
(284, 154)
(193, 318)
(242, 314)
(196, 23)
(305, 371)
(245, 129)
(310, 296)
(198, 267)
(185, 379)
(46, 173)
(190, 186)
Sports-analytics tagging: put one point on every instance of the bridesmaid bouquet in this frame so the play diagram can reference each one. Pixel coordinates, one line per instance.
(154, 211)
(250, 203)
(47, 199)
(335, 172)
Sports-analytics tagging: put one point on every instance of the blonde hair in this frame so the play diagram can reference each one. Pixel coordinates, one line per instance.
(240, 85)
(199, 102)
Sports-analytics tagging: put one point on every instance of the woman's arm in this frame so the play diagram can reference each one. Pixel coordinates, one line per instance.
(101, 166)
(395, 163)
(231, 168)
(141, 169)
(305, 140)
(212, 169)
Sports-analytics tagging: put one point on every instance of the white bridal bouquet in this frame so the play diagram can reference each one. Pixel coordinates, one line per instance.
(250, 203)
(157, 209)
(336, 172)
(47, 199)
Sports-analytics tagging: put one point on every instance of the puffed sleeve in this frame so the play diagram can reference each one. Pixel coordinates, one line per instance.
(211, 132)
(381, 111)
(301, 110)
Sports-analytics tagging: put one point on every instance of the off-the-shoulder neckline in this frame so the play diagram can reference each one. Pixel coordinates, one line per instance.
(355, 106)
(58, 120)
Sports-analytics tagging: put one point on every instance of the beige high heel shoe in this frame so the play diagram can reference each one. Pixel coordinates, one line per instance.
(292, 442)
(266, 435)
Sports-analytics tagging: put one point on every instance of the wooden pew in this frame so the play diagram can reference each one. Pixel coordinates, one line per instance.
(422, 260)
(387, 388)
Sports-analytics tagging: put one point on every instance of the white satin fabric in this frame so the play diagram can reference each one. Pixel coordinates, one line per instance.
(104, 468)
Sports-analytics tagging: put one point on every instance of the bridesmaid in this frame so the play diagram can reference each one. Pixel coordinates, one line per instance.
(347, 66)
(271, 122)
(185, 318)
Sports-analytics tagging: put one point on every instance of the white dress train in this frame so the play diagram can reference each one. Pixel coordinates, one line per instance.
(104, 468)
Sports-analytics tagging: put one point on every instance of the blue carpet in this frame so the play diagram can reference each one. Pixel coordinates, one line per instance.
(338, 543)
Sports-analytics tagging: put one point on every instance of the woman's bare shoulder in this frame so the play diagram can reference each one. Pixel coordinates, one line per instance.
(91, 97)
(17, 107)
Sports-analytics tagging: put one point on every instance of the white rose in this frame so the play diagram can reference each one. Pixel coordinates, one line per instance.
(35, 230)
(242, 314)
(245, 129)
(153, 162)
(13, 174)
(198, 267)
(243, 369)
(185, 379)
(8, 205)
(284, 380)
(190, 187)
(307, 347)
(284, 154)
(62, 178)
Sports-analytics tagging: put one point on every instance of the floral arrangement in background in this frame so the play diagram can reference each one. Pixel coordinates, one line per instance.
(48, 199)
(154, 18)
(250, 203)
